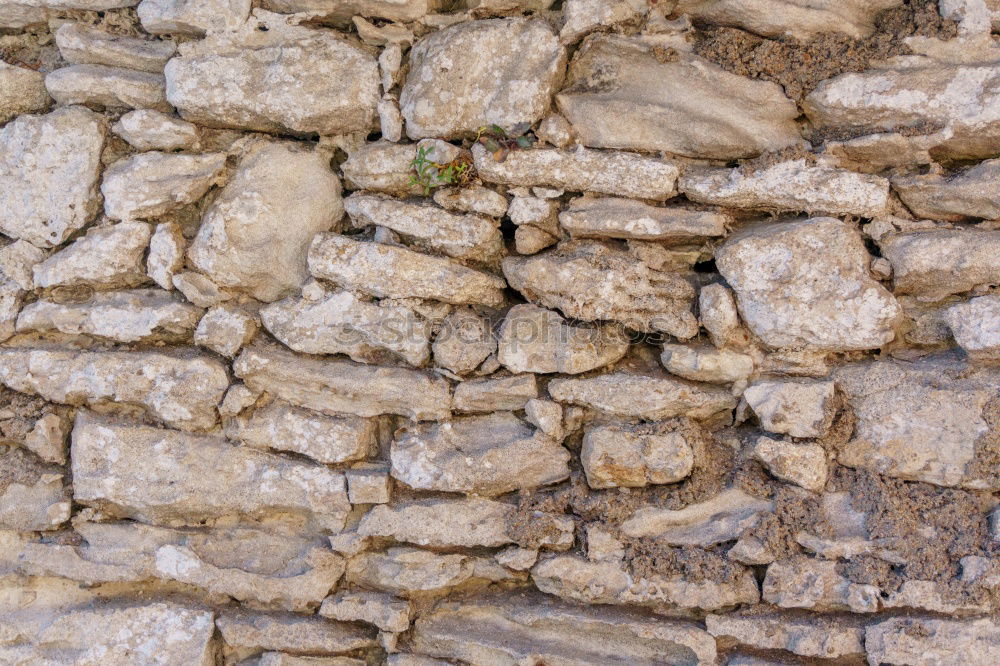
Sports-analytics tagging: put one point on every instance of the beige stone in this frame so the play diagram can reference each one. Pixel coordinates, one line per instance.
(22, 90)
(808, 637)
(806, 284)
(336, 386)
(270, 75)
(369, 484)
(804, 582)
(381, 166)
(326, 438)
(581, 170)
(474, 199)
(796, 408)
(633, 456)
(584, 16)
(490, 395)
(225, 329)
(642, 396)
(801, 19)
(516, 627)
(154, 183)
(933, 264)
(82, 44)
(384, 611)
(968, 194)
(166, 254)
(192, 17)
(108, 87)
(340, 11)
(48, 174)
(925, 641)
(721, 518)
(291, 632)
(801, 464)
(160, 476)
(146, 129)
(533, 339)
(464, 341)
(590, 217)
(594, 280)
(702, 363)
(47, 438)
(179, 388)
(976, 326)
(33, 496)
(199, 289)
(108, 256)
(484, 455)
(121, 316)
(406, 571)
(509, 70)
(793, 185)
(718, 314)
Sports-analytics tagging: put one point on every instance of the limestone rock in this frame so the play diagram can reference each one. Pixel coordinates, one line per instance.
(808, 637)
(192, 17)
(154, 183)
(159, 476)
(48, 174)
(108, 256)
(145, 129)
(474, 199)
(806, 284)
(530, 240)
(339, 11)
(646, 397)
(166, 254)
(82, 44)
(716, 520)
(593, 280)
(291, 632)
(32, 495)
(918, 421)
(619, 94)
(277, 186)
(335, 386)
(47, 438)
(581, 170)
(533, 339)
(634, 456)
(271, 76)
(923, 641)
(441, 523)
(588, 217)
(933, 264)
(958, 97)
(801, 464)
(177, 388)
(490, 395)
(976, 326)
(520, 627)
(804, 582)
(468, 237)
(572, 577)
(719, 315)
(22, 90)
(703, 363)
(493, 72)
(968, 194)
(369, 484)
(792, 185)
(585, 16)
(800, 19)
(108, 87)
(484, 455)
(406, 571)
(121, 316)
(199, 289)
(381, 166)
(225, 329)
(384, 611)
(796, 408)
(387, 271)
(283, 427)
(464, 341)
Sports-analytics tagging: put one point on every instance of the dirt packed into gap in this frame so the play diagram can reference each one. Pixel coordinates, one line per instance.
(18, 413)
(986, 464)
(799, 66)
(794, 512)
(767, 160)
(20, 466)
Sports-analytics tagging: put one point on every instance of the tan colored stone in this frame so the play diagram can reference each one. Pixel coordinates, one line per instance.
(276, 186)
(82, 44)
(464, 341)
(589, 217)
(804, 582)
(381, 166)
(801, 464)
(483, 455)
(933, 264)
(925, 641)
(646, 397)
(406, 571)
(490, 395)
(179, 388)
(796, 408)
(369, 484)
(968, 194)
(702, 363)
(109, 256)
(33, 496)
(800, 19)
(634, 456)
(808, 637)
(291, 632)
(166, 254)
(192, 17)
(146, 129)
(340, 11)
(976, 326)
(336, 386)
(22, 90)
(721, 518)
(384, 611)
(48, 438)
(225, 329)
(474, 199)
(108, 87)
(154, 183)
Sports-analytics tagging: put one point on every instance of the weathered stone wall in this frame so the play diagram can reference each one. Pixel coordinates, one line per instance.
(499, 332)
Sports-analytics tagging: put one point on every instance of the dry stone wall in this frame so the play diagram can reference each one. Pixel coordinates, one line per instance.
(499, 332)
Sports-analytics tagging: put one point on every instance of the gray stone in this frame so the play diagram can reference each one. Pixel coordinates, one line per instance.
(641, 396)
(594, 280)
(192, 17)
(474, 199)
(282, 78)
(636, 455)
(166, 254)
(796, 408)
(82, 44)
(154, 183)
(33, 496)
(109, 256)
(381, 166)
(508, 70)
(341, 11)
(584, 16)
(225, 329)
(976, 326)
(969, 194)
(384, 611)
(806, 284)
(483, 455)
(108, 87)
(48, 174)
(933, 264)
(145, 129)
(276, 186)
(588, 217)
(464, 341)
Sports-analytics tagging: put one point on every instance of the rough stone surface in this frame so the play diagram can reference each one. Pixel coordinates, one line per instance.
(22, 90)
(968, 194)
(827, 640)
(589, 217)
(619, 94)
(145, 129)
(487, 395)
(925, 641)
(485, 455)
(799, 409)
(793, 292)
(642, 396)
(976, 326)
(933, 264)
(723, 518)
(464, 341)
(636, 455)
(797, 18)
(155, 183)
(108, 87)
(276, 186)
(107, 256)
(192, 17)
(801, 464)
(706, 364)
(85, 45)
(493, 72)
(48, 174)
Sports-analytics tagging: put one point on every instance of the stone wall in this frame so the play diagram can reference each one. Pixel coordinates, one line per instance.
(499, 332)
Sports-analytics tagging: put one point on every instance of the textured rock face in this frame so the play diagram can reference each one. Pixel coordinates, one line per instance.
(494, 72)
(152, 184)
(107, 87)
(799, 18)
(924, 641)
(610, 217)
(794, 292)
(969, 194)
(48, 174)
(933, 264)
(642, 396)
(275, 185)
(634, 456)
(976, 326)
(23, 91)
(274, 77)
(799, 409)
(619, 95)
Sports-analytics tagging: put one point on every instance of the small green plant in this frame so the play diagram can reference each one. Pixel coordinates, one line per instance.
(500, 143)
(430, 174)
